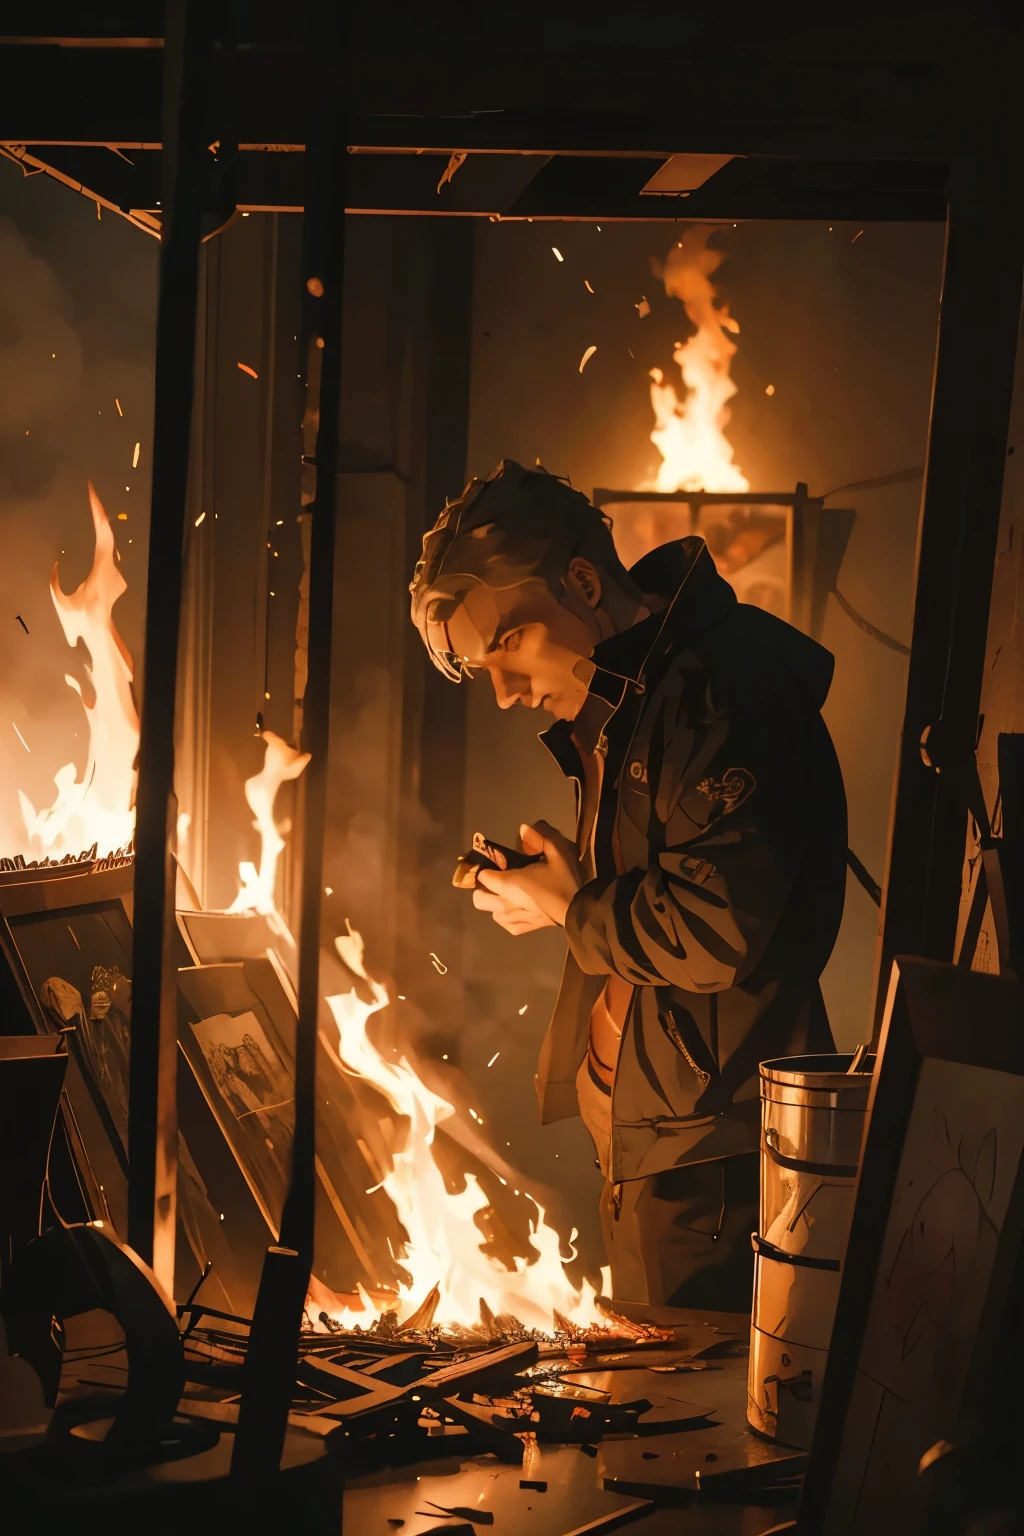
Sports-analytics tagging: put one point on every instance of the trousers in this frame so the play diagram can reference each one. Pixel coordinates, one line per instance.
(682, 1238)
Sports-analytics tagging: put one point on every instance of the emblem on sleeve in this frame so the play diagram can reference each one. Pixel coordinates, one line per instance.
(725, 794)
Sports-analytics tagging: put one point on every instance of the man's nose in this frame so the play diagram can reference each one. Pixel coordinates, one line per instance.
(508, 689)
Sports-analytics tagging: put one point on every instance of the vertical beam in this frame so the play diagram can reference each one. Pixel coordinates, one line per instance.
(971, 393)
(435, 726)
(277, 1318)
(152, 1107)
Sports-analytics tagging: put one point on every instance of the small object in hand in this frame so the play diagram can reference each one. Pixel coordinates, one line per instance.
(487, 855)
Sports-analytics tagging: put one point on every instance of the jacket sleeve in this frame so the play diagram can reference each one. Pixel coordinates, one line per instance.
(727, 832)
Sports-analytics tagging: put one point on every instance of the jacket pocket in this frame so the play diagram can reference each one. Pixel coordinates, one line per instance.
(681, 1028)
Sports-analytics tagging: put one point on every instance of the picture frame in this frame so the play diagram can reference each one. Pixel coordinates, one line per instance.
(779, 550)
(928, 1281)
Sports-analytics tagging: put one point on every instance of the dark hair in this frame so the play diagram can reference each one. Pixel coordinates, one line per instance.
(516, 524)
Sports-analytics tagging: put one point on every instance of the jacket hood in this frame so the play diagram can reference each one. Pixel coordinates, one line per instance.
(704, 612)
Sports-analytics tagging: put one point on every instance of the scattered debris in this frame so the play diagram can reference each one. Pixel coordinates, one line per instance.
(21, 621)
(463, 1512)
(643, 308)
(585, 359)
(250, 371)
(458, 159)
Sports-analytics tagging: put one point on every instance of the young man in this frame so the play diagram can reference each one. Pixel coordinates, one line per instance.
(702, 893)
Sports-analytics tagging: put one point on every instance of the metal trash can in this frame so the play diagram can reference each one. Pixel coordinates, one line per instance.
(813, 1114)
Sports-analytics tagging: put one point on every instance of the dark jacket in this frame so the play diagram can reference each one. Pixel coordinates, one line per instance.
(723, 808)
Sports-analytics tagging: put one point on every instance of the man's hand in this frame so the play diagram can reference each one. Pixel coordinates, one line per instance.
(522, 900)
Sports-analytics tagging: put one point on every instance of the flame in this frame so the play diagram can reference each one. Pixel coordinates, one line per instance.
(98, 808)
(689, 435)
(280, 762)
(441, 1236)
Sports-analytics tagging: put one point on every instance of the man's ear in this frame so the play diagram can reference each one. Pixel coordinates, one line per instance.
(582, 578)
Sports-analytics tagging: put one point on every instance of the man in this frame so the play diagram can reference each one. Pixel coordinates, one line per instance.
(702, 894)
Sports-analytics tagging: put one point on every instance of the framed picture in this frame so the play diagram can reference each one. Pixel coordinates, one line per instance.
(778, 551)
(934, 1244)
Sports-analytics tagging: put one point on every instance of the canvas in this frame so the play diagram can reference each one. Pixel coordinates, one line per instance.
(936, 1230)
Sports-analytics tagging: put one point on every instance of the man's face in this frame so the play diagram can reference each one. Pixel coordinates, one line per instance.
(533, 646)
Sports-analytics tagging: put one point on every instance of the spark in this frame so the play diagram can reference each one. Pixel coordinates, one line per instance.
(558, 254)
(199, 519)
(494, 1058)
(856, 237)
(122, 517)
(585, 359)
(643, 308)
(769, 389)
(118, 404)
(21, 738)
(439, 966)
(523, 1009)
(135, 456)
(586, 284)
(250, 371)
(74, 936)
(328, 890)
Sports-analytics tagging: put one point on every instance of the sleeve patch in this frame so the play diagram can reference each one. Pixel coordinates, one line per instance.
(725, 794)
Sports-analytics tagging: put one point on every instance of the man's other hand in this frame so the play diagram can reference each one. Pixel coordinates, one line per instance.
(522, 900)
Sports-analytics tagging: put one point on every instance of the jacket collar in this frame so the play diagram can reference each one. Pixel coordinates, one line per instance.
(684, 572)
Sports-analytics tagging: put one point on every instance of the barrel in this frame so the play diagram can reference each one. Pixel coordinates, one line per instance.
(813, 1114)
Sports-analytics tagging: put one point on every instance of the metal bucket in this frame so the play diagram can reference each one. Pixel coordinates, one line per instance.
(812, 1124)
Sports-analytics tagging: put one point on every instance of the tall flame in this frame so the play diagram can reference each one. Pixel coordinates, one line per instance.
(280, 762)
(99, 807)
(442, 1241)
(689, 434)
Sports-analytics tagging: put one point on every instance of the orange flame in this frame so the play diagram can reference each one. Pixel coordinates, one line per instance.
(280, 762)
(98, 808)
(689, 434)
(442, 1247)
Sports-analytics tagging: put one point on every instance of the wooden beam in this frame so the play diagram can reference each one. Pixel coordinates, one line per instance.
(963, 482)
(277, 1318)
(152, 1095)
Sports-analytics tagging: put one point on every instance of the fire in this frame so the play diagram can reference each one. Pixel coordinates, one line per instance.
(689, 434)
(441, 1249)
(280, 762)
(98, 809)
(442, 1246)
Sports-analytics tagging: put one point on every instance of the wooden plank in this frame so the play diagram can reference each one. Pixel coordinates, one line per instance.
(152, 1092)
(963, 482)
